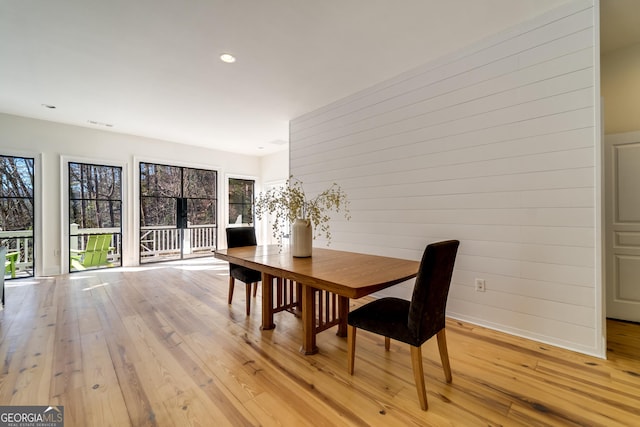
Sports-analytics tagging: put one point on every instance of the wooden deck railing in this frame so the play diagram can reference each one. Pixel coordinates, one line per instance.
(20, 241)
(162, 241)
(154, 242)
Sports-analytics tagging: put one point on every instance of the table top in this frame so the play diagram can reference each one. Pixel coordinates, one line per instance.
(349, 274)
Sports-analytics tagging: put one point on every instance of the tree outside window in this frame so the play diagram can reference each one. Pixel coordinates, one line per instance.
(241, 201)
(17, 215)
(95, 216)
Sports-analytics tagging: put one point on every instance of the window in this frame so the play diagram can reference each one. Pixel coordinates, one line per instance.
(241, 201)
(17, 215)
(178, 207)
(95, 216)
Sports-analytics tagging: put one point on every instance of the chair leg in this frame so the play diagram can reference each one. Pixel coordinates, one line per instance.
(418, 375)
(444, 354)
(351, 348)
(232, 282)
(255, 289)
(387, 343)
(248, 297)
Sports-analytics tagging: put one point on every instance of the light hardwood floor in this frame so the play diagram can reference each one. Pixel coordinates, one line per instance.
(159, 345)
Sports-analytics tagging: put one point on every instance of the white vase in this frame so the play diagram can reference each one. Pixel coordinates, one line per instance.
(301, 238)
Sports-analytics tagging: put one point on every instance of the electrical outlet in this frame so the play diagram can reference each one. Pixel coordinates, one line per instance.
(480, 285)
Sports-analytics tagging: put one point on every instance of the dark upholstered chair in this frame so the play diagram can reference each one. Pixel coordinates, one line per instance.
(415, 321)
(237, 237)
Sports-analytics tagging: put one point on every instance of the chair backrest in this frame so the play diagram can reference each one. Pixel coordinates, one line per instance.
(96, 250)
(11, 258)
(429, 300)
(104, 245)
(241, 236)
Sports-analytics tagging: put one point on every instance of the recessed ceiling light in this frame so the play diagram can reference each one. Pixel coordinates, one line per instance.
(228, 58)
(96, 123)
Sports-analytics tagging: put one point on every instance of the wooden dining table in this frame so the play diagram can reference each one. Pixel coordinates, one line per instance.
(325, 282)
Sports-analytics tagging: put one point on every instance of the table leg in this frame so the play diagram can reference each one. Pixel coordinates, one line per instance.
(308, 321)
(343, 312)
(267, 302)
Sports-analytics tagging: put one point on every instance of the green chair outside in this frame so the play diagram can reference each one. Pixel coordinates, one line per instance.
(95, 253)
(11, 258)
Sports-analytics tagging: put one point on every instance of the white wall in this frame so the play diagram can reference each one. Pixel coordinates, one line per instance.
(52, 142)
(275, 171)
(496, 146)
(275, 167)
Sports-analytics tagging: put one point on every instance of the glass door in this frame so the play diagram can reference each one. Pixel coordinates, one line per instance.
(178, 208)
(16, 215)
(95, 216)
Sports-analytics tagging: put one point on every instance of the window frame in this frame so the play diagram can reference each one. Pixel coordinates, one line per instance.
(183, 198)
(35, 200)
(71, 197)
(231, 221)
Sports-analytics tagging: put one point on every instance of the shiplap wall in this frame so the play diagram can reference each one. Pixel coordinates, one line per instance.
(494, 146)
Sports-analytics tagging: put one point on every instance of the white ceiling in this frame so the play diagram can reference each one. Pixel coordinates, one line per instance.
(151, 67)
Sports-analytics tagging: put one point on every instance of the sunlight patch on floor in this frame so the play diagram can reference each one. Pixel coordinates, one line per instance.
(97, 285)
(78, 276)
(20, 283)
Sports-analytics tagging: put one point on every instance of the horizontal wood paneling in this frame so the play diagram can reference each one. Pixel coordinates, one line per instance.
(534, 325)
(527, 45)
(493, 145)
